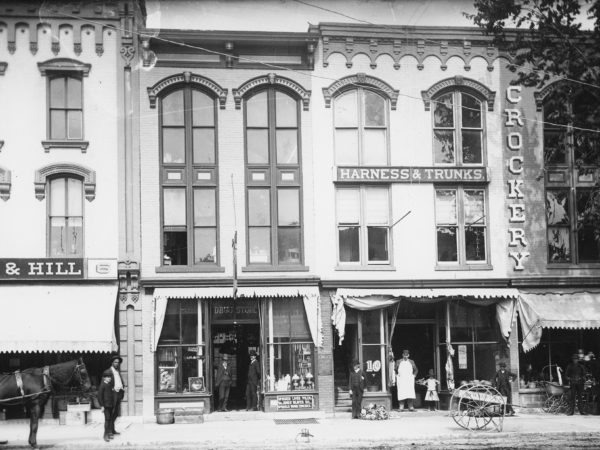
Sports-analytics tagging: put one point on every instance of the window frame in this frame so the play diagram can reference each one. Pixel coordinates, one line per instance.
(65, 77)
(189, 180)
(272, 176)
(66, 177)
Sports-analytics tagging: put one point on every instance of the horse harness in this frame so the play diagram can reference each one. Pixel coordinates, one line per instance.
(19, 380)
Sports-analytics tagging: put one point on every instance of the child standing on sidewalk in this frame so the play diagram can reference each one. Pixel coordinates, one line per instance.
(433, 386)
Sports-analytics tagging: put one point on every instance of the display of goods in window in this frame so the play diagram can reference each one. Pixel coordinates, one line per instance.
(374, 412)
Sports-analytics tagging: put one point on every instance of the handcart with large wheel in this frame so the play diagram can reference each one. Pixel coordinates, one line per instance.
(478, 406)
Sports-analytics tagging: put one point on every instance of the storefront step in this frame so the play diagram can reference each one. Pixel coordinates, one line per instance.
(259, 415)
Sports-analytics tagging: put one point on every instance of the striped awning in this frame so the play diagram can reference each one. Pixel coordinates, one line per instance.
(424, 293)
(203, 292)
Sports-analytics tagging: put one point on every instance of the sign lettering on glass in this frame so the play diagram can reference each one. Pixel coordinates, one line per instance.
(388, 174)
(291, 402)
(462, 357)
(43, 268)
(242, 309)
(514, 142)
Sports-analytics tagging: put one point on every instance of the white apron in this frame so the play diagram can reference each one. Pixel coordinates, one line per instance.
(405, 381)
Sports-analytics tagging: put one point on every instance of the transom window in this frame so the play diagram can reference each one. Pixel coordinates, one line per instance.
(189, 178)
(274, 187)
(361, 128)
(65, 217)
(458, 129)
(65, 107)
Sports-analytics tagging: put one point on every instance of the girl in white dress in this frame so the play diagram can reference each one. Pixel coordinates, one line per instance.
(431, 397)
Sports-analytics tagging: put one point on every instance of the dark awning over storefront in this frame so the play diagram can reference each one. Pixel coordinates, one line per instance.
(61, 318)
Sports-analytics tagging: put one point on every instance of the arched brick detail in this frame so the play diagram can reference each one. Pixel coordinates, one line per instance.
(541, 95)
(459, 82)
(360, 79)
(183, 79)
(271, 79)
(42, 175)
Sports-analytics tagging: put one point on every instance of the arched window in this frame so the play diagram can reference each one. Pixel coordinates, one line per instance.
(65, 216)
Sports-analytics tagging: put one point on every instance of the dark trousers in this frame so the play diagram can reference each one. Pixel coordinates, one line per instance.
(577, 395)
(110, 415)
(251, 398)
(357, 396)
(223, 395)
(507, 392)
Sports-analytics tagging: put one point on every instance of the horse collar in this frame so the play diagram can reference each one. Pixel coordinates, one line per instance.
(19, 379)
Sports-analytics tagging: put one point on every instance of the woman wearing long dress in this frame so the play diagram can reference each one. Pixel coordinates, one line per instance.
(405, 380)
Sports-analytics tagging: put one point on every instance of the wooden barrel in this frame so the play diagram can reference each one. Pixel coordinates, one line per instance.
(165, 416)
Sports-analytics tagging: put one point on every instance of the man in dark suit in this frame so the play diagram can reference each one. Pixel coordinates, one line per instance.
(110, 394)
(223, 382)
(357, 388)
(252, 384)
(575, 373)
(502, 382)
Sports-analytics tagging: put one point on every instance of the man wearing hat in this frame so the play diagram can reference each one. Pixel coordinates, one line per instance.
(252, 384)
(223, 382)
(407, 371)
(575, 374)
(357, 388)
(110, 394)
(502, 382)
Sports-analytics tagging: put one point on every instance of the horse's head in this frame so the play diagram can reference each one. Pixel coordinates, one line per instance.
(82, 375)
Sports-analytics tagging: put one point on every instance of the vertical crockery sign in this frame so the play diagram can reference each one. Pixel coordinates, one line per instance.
(41, 268)
(514, 141)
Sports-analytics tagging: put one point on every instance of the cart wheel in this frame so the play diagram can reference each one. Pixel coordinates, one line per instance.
(475, 407)
(549, 405)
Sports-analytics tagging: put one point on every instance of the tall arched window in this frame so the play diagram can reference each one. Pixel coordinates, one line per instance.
(65, 217)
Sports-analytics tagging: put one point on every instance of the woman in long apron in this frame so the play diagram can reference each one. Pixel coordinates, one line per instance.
(405, 380)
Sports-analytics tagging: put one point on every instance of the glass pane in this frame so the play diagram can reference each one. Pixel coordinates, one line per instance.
(175, 248)
(173, 145)
(554, 147)
(443, 147)
(474, 207)
(204, 145)
(374, 110)
(258, 146)
(588, 245)
(75, 124)
(288, 245)
(559, 245)
(74, 93)
(174, 207)
(75, 197)
(58, 236)
(471, 147)
(189, 369)
(374, 151)
(74, 236)
(259, 245)
(378, 243)
(172, 108)
(587, 148)
(588, 204)
(57, 93)
(205, 245)
(205, 207)
(377, 207)
(256, 110)
(348, 205)
(58, 124)
(288, 206)
(443, 115)
(557, 207)
(446, 244)
(445, 207)
(346, 147)
(259, 207)
(349, 244)
(461, 323)
(57, 197)
(346, 113)
(286, 110)
(287, 147)
(371, 323)
(471, 111)
(372, 367)
(281, 319)
(203, 109)
(168, 370)
(475, 243)
(171, 327)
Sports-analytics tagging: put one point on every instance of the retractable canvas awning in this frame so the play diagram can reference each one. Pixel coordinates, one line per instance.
(57, 318)
(576, 309)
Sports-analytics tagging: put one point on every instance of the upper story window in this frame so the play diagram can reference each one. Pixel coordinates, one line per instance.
(65, 217)
(273, 178)
(361, 128)
(572, 167)
(188, 138)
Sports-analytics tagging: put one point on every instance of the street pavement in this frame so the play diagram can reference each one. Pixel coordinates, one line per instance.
(239, 430)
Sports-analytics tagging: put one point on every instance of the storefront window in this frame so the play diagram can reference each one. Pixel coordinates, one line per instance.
(373, 348)
(291, 352)
(180, 353)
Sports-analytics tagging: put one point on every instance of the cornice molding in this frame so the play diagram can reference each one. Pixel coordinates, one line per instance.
(186, 78)
(360, 79)
(5, 184)
(64, 65)
(88, 175)
(459, 82)
(271, 79)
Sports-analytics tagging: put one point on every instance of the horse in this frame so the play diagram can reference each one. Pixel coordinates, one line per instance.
(33, 387)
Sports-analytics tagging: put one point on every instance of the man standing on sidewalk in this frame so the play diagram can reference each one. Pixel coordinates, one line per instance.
(575, 373)
(223, 383)
(110, 394)
(502, 382)
(252, 384)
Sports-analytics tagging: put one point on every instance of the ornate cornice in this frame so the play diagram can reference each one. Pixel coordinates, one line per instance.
(42, 175)
(271, 79)
(187, 78)
(541, 95)
(5, 184)
(129, 275)
(459, 82)
(64, 65)
(360, 79)
(3, 66)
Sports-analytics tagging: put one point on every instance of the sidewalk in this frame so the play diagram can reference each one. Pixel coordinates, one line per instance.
(229, 430)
